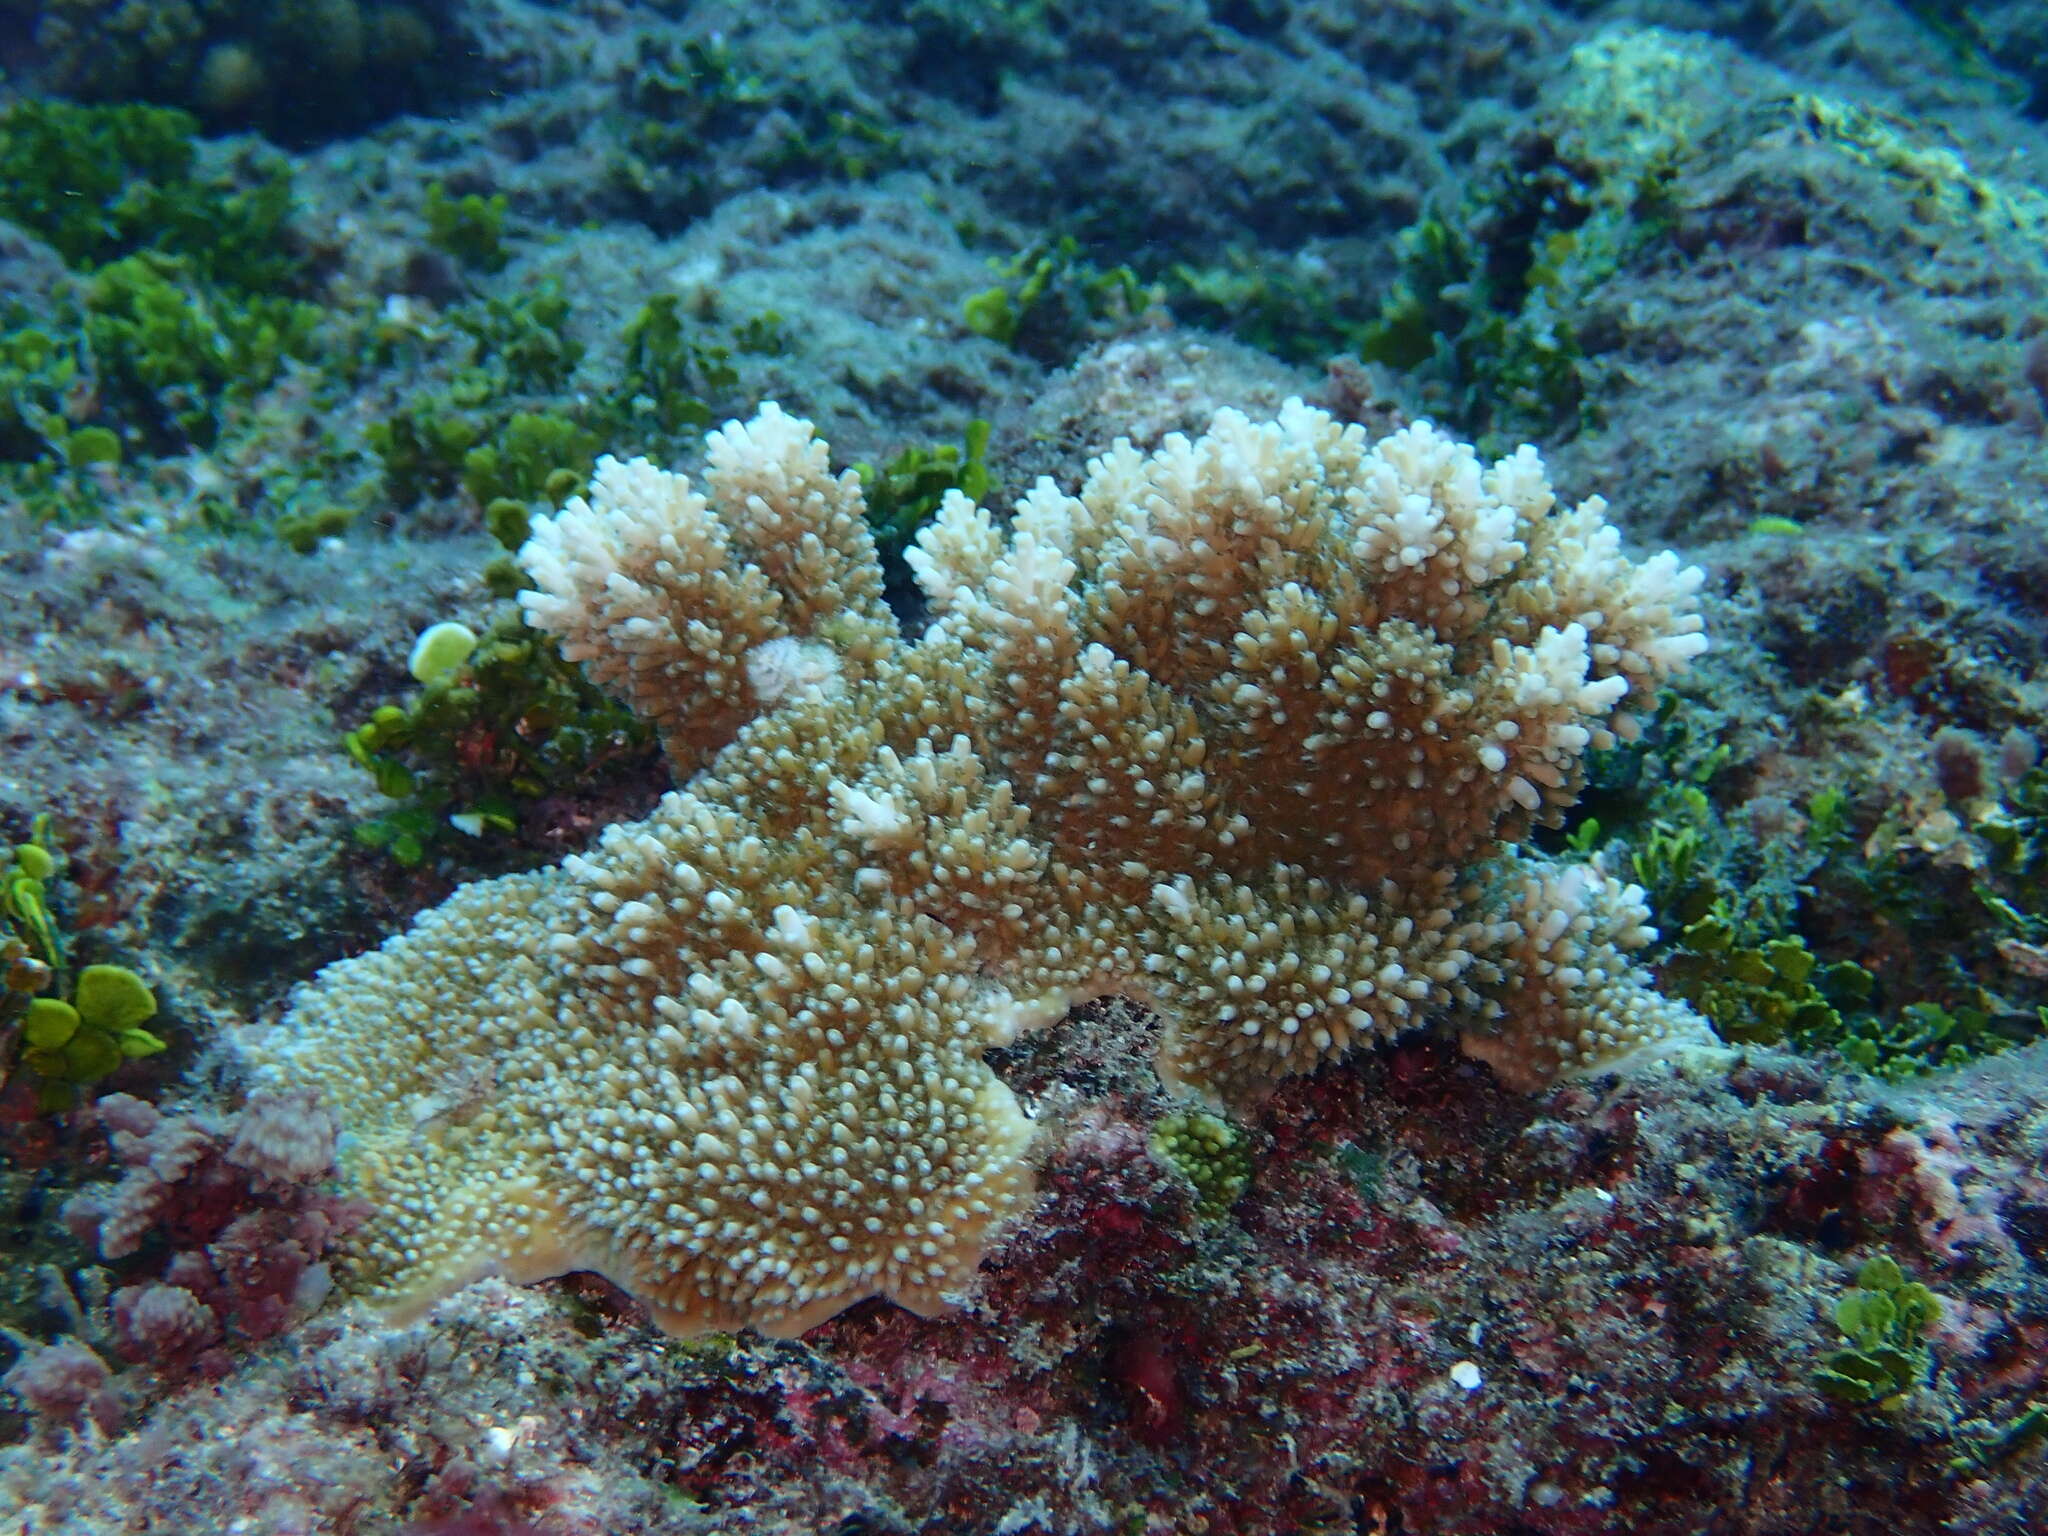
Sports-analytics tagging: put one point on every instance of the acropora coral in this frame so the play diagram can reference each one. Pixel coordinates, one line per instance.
(1244, 732)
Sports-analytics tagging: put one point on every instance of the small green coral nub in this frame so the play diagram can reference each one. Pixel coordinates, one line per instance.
(24, 907)
(67, 1042)
(92, 445)
(115, 999)
(440, 651)
(304, 532)
(470, 228)
(537, 455)
(1885, 1319)
(35, 861)
(1052, 297)
(500, 719)
(1210, 1153)
(49, 1024)
(71, 1044)
(908, 491)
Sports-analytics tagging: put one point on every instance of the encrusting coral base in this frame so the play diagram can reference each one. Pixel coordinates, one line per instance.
(1244, 731)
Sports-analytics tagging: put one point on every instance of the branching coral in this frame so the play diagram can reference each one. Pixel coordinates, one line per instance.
(1244, 731)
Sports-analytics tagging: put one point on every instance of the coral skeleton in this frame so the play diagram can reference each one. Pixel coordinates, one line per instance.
(1245, 732)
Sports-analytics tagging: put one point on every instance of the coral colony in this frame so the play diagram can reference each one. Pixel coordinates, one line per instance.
(1246, 733)
(1079, 962)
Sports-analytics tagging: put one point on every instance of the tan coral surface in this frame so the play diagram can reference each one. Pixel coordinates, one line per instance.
(1243, 731)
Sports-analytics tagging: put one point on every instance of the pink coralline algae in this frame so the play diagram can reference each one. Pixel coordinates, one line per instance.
(238, 1209)
(64, 1384)
(1437, 1307)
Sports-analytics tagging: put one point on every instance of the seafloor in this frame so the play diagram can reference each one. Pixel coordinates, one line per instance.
(1770, 275)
